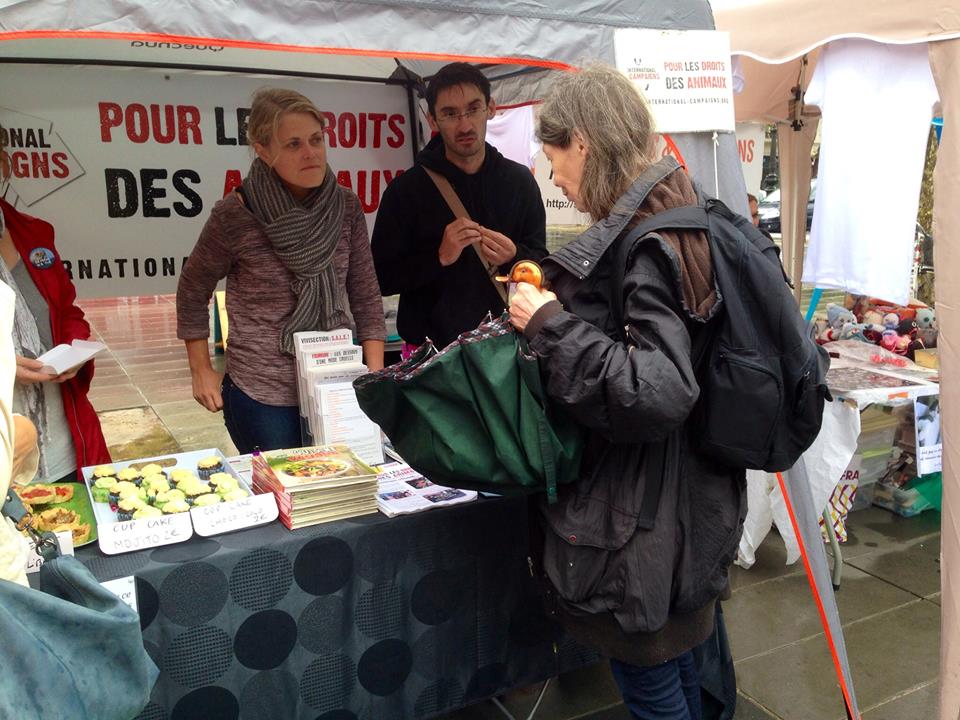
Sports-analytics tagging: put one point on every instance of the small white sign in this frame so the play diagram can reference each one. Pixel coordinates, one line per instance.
(235, 515)
(685, 76)
(124, 588)
(928, 434)
(129, 535)
(34, 561)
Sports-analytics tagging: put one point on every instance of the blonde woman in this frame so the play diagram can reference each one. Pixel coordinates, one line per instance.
(637, 551)
(293, 246)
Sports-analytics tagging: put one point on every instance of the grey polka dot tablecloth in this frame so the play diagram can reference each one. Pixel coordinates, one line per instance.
(373, 618)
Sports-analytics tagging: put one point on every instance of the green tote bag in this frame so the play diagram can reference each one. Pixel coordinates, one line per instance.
(474, 414)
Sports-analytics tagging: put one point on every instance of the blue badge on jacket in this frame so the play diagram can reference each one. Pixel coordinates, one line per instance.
(41, 258)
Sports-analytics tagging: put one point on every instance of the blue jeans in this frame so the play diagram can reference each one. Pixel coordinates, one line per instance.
(670, 691)
(253, 425)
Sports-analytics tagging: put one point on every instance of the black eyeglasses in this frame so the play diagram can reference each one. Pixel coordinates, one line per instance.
(448, 117)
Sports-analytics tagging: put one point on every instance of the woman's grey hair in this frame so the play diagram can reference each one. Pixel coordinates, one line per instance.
(269, 105)
(602, 106)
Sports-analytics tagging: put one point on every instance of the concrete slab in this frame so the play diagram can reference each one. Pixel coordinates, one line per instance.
(917, 703)
(914, 566)
(779, 613)
(890, 653)
(136, 433)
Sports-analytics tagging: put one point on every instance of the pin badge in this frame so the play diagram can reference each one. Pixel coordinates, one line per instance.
(41, 258)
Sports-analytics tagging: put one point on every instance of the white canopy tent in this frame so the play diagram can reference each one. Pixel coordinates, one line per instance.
(778, 42)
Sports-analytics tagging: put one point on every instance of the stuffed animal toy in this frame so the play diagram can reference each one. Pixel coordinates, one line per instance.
(828, 334)
(926, 319)
(908, 327)
(853, 331)
(903, 344)
(927, 327)
(891, 320)
(873, 332)
(888, 341)
(838, 316)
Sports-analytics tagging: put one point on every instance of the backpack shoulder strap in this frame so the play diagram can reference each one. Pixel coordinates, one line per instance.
(688, 217)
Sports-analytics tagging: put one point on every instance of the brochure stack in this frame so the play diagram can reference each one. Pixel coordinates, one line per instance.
(327, 364)
(316, 484)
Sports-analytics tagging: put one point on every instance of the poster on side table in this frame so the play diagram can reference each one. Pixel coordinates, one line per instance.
(929, 438)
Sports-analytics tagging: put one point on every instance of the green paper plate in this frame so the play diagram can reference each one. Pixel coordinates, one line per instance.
(80, 504)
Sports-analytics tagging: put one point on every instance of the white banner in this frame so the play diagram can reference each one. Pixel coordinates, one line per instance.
(560, 211)
(685, 76)
(127, 163)
(750, 138)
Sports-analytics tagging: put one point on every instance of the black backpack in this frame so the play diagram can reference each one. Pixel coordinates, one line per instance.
(762, 376)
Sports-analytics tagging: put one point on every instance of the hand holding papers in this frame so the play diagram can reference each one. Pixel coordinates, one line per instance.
(64, 358)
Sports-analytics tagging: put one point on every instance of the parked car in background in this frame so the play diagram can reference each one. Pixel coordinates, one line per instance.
(769, 209)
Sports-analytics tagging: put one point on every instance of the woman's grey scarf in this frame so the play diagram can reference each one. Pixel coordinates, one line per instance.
(28, 398)
(305, 237)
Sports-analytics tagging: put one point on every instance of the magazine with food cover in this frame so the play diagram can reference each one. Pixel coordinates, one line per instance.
(401, 490)
(310, 468)
(292, 503)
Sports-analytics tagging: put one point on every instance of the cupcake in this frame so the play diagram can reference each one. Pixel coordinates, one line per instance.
(206, 499)
(102, 471)
(208, 466)
(175, 506)
(157, 483)
(223, 482)
(178, 476)
(122, 488)
(128, 506)
(169, 496)
(128, 474)
(147, 512)
(193, 489)
(238, 494)
(101, 488)
(152, 469)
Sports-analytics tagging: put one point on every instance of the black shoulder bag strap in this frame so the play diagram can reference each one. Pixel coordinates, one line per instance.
(688, 217)
(48, 547)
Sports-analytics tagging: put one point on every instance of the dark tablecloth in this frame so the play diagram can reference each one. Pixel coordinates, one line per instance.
(372, 618)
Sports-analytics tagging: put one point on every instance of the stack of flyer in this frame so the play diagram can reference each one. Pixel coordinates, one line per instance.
(316, 484)
(401, 489)
(327, 364)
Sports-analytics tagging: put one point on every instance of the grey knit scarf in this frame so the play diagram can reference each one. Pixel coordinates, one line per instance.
(305, 237)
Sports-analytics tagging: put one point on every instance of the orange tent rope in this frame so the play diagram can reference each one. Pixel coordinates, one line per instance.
(817, 599)
(277, 47)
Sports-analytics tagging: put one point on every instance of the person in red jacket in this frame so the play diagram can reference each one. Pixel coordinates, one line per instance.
(47, 315)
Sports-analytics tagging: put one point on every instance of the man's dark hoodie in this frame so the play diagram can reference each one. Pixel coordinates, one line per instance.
(439, 302)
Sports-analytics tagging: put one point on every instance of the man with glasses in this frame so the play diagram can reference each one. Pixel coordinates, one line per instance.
(437, 261)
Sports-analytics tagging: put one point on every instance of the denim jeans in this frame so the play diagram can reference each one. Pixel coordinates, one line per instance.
(670, 691)
(253, 425)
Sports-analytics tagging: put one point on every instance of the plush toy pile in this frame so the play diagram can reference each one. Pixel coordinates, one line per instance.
(901, 330)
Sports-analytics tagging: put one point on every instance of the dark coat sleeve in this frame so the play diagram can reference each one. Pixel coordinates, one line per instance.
(632, 393)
